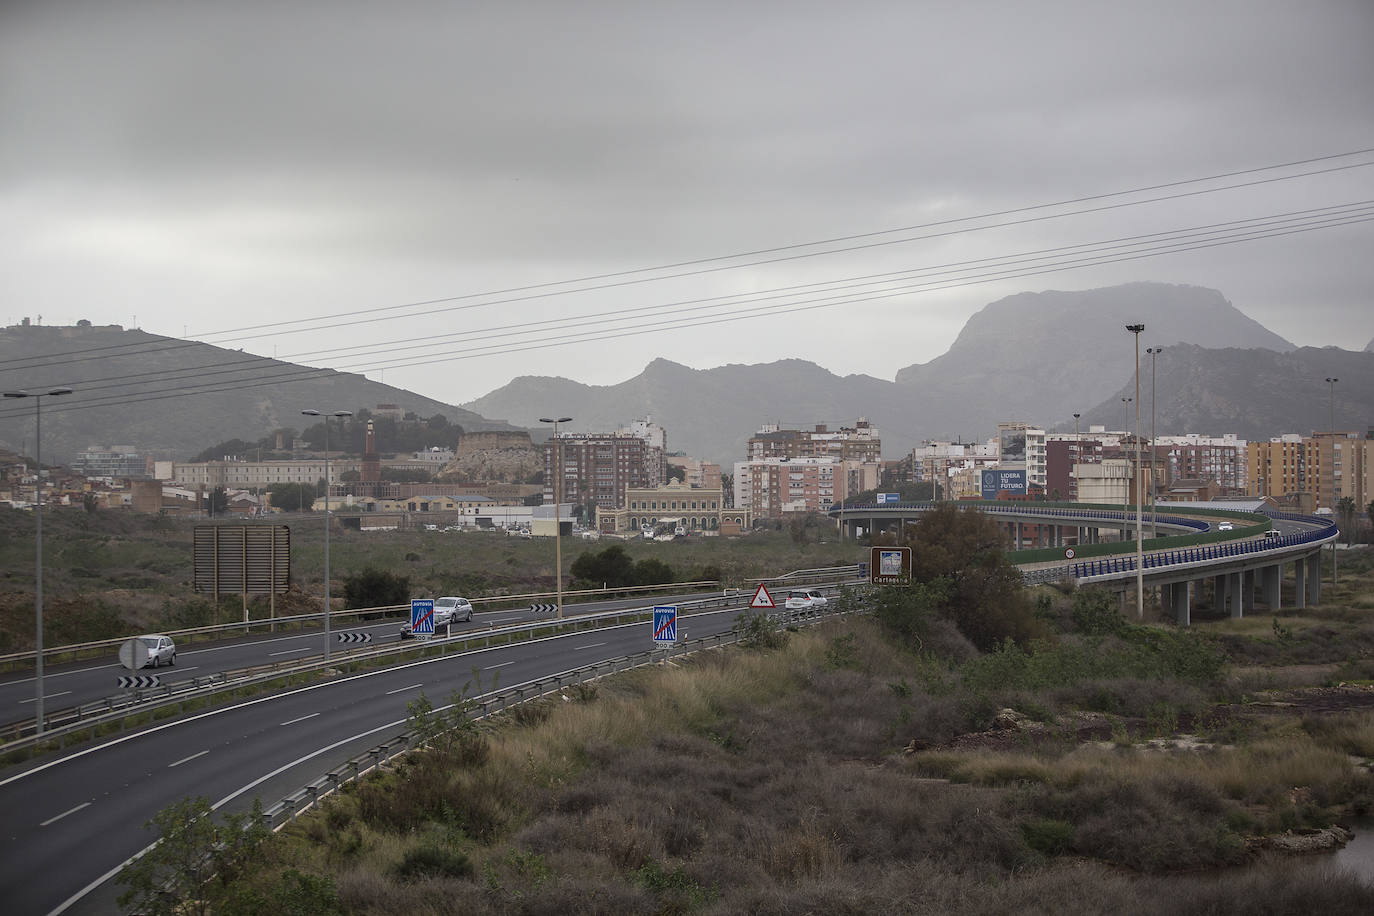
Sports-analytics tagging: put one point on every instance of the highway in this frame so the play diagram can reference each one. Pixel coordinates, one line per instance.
(71, 821)
(78, 683)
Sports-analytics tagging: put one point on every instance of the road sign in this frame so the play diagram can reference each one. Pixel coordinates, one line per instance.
(543, 608)
(355, 637)
(422, 616)
(863, 570)
(133, 654)
(886, 498)
(1068, 553)
(665, 624)
(891, 565)
(139, 681)
(762, 598)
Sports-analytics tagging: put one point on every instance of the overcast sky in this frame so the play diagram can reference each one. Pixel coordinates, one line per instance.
(290, 178)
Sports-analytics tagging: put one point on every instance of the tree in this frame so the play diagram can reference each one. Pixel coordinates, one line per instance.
(292, 497)
(376, 588)
(611, 567)
(1345, 508)
(175, 874)
(217, 501)
(90, 502)
(965, 551)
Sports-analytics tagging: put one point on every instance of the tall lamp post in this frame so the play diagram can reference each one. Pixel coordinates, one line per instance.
(342, 415)
(557, 507)
(38, 539)
(1331, 425)
(1154, 513)
(1135, 330)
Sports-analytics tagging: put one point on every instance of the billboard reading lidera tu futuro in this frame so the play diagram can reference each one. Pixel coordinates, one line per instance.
(996, 480)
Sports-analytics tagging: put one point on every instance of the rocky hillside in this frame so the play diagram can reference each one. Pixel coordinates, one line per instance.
(171, 398)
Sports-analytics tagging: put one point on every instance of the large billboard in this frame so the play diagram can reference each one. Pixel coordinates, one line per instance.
(1012, 446)
(998, 480)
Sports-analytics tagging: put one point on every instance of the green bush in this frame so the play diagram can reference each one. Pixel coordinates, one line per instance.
(375, 588)
(432, 860)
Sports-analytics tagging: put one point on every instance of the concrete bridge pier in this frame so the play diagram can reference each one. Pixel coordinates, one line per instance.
(1219, 589)
(1271, 579)
(1300, 584)
(1177, 599)
(1314, 578)
(1236, 594)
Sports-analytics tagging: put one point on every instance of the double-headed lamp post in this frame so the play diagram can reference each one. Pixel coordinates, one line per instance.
(1135, 330)
(557, 507)
(38, 539)
(342, 415)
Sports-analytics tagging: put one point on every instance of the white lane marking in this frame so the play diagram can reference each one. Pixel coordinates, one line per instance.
(53, 820)
(402, 689)
(301, 719)
(46, 696)
(290, 651)
(187, 759)
(494, 667)
(505, 619)
(595, 645)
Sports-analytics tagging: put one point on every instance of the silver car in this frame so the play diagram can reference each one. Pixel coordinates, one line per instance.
(161, 650)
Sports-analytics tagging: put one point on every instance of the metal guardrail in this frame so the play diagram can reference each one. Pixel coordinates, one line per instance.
(1186, 556)
(209, 631)
(77, 720)
(310, 795)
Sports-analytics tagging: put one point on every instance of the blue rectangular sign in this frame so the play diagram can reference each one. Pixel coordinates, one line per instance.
(422, 616)
(997, 480)
(884, 498)
(665, 624)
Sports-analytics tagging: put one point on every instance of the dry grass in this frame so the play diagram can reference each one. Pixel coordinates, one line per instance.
(774, 782)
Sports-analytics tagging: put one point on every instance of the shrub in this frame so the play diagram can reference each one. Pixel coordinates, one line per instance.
(375, 588)
(432, 860)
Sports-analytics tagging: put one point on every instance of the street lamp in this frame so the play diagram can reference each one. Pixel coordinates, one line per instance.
(557, 508)
(342, 415)
(1154, 513)
(1331, 425)
(1135, 329)
(38, 539)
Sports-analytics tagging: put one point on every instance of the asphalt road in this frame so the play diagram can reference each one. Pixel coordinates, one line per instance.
(72, 821)
(84, 682)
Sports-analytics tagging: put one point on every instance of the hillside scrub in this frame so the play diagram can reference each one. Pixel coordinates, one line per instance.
(851, 769)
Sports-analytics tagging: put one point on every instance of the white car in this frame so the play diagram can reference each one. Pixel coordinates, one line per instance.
(1226, 526)
(805, 599)
(161, 650)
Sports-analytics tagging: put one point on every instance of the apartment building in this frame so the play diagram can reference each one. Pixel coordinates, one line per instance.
(117, 461)
(598, 468)
(1192, 457)
(859, 442)
(1283, 469)
(772, 487)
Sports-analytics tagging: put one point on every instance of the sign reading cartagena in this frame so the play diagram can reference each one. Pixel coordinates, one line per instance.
(891, 565)
(996, 480)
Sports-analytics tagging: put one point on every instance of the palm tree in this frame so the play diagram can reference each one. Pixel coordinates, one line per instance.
(1345, 508)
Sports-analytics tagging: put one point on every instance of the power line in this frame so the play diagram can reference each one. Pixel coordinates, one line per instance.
(333, 321)
(992, 274)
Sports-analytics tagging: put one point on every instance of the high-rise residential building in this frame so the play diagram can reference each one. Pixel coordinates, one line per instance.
(598, 468)
(1341, 461)
(111, 461)
(1282, 469)
(859, 442)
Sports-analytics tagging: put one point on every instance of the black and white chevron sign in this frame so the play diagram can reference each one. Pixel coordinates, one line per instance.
(140, 681)
(355, 637)
(543, 608)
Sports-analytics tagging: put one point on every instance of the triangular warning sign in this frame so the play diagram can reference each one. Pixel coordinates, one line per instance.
(762, 598)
